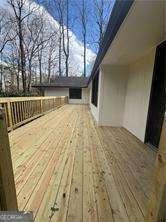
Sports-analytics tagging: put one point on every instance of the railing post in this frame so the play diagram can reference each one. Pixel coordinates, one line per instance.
(41, 105)
(61, 101)
(8, 200)
(67, 99)
(10, 115)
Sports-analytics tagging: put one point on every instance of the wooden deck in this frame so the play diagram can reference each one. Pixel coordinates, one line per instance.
(68, 169)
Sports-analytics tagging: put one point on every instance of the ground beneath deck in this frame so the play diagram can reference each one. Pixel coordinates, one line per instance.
(68, 169)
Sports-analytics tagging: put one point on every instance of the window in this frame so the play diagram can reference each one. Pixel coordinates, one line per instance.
(95, 83)
(75, 93)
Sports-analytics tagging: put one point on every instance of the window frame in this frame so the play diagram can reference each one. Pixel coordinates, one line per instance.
(95, 88)
(75, 95)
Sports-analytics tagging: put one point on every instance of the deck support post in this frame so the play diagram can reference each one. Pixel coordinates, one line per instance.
(8, 200)
(157, 203)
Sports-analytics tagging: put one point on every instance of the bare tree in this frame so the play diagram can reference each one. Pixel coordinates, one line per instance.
(59, 5)
(13, 60)
(60, 50)
(5, 29)
(40, 56)
(83, 19)
(62, 7)
(52, 55)
(5, 37)
(66, 40)
(101, 15)
(33, 52)
(19, 15)
(34, 41)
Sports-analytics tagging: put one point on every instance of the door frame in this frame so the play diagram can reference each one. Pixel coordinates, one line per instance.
(146, 140)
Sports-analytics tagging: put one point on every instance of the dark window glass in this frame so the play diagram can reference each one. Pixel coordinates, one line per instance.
(75, 93)
(95, 83)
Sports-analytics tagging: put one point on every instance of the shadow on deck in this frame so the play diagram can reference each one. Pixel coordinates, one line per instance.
(68, 169)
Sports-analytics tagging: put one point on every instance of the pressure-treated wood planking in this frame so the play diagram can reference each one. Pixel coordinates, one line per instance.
(157, 203)
(68, 169)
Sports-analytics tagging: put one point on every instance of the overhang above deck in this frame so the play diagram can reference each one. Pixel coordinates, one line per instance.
(143, 29)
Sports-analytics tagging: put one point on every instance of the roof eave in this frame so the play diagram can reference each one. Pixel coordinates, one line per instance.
(119, 13)
(44, 86)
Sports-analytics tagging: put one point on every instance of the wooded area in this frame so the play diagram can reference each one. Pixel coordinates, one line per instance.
(33, 48)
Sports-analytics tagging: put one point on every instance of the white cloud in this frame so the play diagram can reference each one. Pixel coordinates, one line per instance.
(76, 46)
(76, 49)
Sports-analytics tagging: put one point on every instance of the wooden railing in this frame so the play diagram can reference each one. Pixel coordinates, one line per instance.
(20, 110)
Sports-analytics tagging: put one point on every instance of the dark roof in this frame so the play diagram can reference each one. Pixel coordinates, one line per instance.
(119, 13)
(69, 82)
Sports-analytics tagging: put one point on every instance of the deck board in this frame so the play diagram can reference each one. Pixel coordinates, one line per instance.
(67, 169)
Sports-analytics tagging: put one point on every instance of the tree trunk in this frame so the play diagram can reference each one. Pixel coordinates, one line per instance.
(84, 34)
(40, 70)
(67, 47)
(18, 77)
(60, 53)
(22, 58)
(84, 55)
(67, 65)
(1, 76)
(49, 70)
(18, 82)
(40, 65)
(30, 76)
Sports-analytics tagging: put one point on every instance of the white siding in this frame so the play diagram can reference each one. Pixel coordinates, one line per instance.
(124, 93)
(137, 95)
(56, 92)
(65, 92)
(113, 95)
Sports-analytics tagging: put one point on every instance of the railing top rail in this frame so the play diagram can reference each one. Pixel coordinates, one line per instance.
(19, 110)
(15, 99)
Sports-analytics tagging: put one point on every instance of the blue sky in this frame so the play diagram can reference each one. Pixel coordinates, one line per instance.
(76, 51)
(92, 33)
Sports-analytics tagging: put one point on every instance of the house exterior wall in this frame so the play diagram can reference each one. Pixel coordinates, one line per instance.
(113, 95)
(124, 93)
(138, 95)
(56, 92)
(65, 92)
(123, 96)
